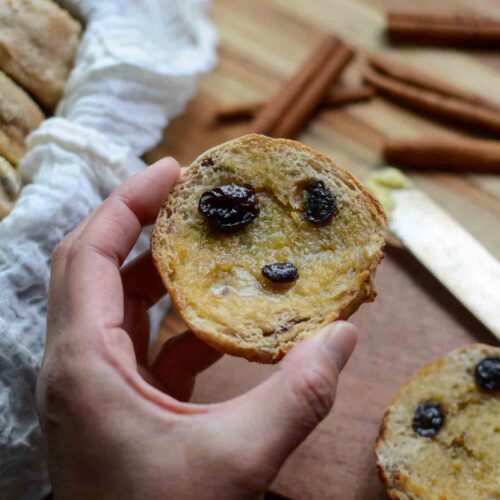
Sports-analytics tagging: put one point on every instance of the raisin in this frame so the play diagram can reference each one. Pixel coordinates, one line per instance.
(207, 162)
(487, 373)
(280, 272)
(320, 204)
(428, 419)
(229, 207)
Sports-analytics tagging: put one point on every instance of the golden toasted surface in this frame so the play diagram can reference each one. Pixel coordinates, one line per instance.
(216, 279)
(38, 44)
(10, 185)
(19, 115)
(463, 459)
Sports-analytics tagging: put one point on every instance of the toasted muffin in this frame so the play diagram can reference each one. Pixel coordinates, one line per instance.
(296, 249)
(10, 185)
(19, 115)
(38, 44)
(440, 436)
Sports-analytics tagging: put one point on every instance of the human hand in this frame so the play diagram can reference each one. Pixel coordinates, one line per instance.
(117, 428)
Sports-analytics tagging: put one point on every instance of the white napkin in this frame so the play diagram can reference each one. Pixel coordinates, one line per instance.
(136, 68)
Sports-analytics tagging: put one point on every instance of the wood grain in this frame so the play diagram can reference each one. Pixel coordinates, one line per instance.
(413, 319)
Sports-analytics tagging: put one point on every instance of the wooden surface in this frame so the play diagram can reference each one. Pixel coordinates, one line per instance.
(414, 319)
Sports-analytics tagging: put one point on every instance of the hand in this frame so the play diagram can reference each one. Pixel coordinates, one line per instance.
(116, 428)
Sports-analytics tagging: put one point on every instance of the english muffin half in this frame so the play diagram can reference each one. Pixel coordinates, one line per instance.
(19, 115)
(440, 436)
(10, 186)
(263, 242)
(38, 44)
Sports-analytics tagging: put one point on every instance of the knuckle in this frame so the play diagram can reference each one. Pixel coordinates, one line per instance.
(248, 471)
(247, 468)
(53, 393)
(58, 382)
(74, 250)
(315, 392)
(121, 197)
(115, 342)
(60, 251)
(127, 201)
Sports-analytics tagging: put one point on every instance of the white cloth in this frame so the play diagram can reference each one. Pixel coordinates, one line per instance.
(136, 68)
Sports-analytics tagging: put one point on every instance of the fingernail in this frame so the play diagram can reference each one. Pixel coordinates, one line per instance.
(340, 340)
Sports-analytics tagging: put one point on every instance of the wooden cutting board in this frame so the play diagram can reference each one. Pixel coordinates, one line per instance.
(413, 319)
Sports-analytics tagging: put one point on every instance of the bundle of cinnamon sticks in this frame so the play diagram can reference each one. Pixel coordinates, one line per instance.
(443, 29)
(285, 113)
(428, 95)
(288, 110)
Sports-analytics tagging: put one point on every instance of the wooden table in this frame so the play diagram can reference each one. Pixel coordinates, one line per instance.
(414, 319)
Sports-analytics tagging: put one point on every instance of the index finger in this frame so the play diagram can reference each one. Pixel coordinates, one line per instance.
(94, 286)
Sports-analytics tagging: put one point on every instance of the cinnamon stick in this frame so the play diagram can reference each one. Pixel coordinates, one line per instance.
(462, 154)
(278, 106)
(341, 96)
(440, 18)
(409, 75)
(336, 98)
(443, 29)
(421, 100)
(311, 96)
(239, 111)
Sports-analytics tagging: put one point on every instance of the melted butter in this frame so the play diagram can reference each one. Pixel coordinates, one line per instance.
(381, 182)
(220, 274)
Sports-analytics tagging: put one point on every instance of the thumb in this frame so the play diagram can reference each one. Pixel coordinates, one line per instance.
(278, 415)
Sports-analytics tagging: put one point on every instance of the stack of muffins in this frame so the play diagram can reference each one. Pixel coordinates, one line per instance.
(38, 44)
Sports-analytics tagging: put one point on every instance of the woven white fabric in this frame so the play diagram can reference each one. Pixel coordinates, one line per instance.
(136, 68)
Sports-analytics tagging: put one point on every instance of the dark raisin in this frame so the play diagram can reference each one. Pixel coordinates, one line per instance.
(487, 373)
(207, 162)
(229, 207)
(320, 204)
(280, 272)
(428, 419)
